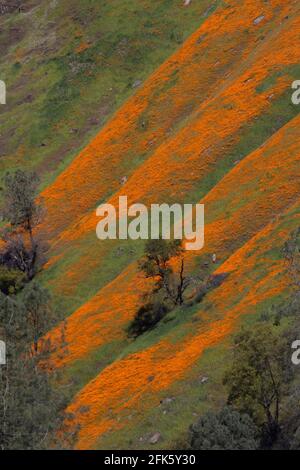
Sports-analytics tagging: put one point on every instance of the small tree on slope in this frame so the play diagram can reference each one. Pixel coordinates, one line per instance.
(23, 213)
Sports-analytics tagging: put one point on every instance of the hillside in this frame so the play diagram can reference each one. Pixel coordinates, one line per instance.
(62, 61)
(186, 104)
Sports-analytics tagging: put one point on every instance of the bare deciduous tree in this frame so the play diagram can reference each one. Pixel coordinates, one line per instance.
(23, 212)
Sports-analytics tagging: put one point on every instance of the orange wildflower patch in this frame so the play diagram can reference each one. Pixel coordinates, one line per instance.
(269, 182)
(181, 162)
(218, 92)
(82, 47)
(98, 322)
(126, 384)
(198, 69)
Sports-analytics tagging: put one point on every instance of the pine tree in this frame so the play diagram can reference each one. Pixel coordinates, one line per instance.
(32, 404)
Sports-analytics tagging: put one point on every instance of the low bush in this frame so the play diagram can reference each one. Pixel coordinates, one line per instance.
(11, 280)
(147, 317)
(226, 430)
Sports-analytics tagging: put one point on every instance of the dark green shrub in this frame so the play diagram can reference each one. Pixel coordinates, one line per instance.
(227, 430)
(11, 280)
(147, 317)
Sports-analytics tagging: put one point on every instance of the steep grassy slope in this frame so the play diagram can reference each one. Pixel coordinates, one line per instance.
(255, 277)
(235, 147)
(145, 376)
(214, 124)
(268, 181)
(69, 65)
(178, 363)
(227, 125)
(183, 85)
